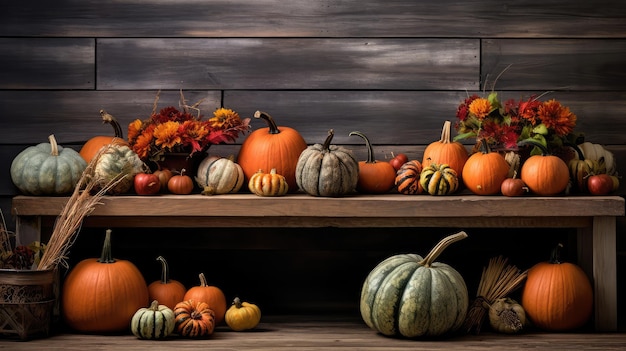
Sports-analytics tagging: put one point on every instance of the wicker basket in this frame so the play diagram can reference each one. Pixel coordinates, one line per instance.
(26, 303)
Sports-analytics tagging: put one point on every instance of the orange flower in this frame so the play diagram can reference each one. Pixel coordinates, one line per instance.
(143, 143)
(480, 108)
(134, 128)
(224, 118)
(166, 134)
(557, 117)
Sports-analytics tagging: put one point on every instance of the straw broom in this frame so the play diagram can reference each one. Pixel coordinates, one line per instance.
(498, 280)
(87, 194)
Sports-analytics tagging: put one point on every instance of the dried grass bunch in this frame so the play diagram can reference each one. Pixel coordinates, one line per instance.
(87, 194)
(498, 280)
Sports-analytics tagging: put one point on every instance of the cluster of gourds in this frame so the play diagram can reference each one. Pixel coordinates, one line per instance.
(409, 296)
(108, 295)
(276, 160)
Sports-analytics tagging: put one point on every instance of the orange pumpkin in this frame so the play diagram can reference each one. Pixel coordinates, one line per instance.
(374, 177)
(93, 145)
(273, 148)
(557, 296)
(194, 319)
(211, 295)
(167, 291)
(484, 172)
(180, 184)
(446, 151)
(545, 174)
(102, 295)
(408, 178)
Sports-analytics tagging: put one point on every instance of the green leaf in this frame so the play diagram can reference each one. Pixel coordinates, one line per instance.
(465, 136)
(541, 129)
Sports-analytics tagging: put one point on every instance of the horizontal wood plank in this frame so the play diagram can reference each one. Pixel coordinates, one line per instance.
(554, 64)
(57, 63)
(266, 63)
(303, 18)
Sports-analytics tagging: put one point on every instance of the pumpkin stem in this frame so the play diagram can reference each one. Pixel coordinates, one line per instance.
(108, 118)
(329, 138)
(555, 256)
(154, 306)
(442, 245)
(106, 256)
(165, 270)
(237, 302)
(370, 150)
(54, 147)
(270, 121)
(540, 146)
(445, 132)
(203, 280)
(575, 147)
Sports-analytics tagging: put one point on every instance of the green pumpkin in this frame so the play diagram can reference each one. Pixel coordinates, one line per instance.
(47, 169)
(408, 296)
(327, 170)
(154, 322)
(118, 163)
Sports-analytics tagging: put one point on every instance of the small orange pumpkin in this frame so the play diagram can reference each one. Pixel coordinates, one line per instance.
(167, 291)
(268, 184)
(557, 296)
(274, 147)
(545, 174)
(485, 171)
(446, 151)
(513, 187)
(374, 177)
(211, 295)
(194, 319)
(93, 145)
(180, 184)
(408, 178)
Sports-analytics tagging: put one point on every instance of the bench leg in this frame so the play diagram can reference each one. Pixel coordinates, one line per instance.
(605, 273)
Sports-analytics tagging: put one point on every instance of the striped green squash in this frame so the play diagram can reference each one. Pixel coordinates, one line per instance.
(439, 179)
(154, 322)
(407, 295)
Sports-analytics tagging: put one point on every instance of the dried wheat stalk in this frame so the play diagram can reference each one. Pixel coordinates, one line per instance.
(81, 203)
(498, 280)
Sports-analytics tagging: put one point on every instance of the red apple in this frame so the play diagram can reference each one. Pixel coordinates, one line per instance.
(513, 187)
(398, 160)
(147, 184)
(600, 184)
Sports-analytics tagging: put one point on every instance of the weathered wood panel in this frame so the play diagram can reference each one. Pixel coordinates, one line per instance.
(392, 64)
(35, 63)
(554, 64)
(305, 18)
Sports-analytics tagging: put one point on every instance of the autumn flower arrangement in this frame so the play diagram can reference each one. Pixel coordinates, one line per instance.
(505, 125)
(183, 130)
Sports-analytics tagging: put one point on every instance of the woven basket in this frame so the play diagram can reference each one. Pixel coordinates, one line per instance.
(26, 303)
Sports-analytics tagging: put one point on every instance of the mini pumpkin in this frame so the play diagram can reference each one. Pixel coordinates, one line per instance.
(408, 178)
(211, 295)
(154, 322)
(47, 169)
(412, 296)
(219, 175)
(180, 184)
(327, 170)
(276, 147)
(167, 291)
(194, 319)
(375, 177)
(446, 151)
(439, 179)
(242, 315)
(268, 184)
(93, 145)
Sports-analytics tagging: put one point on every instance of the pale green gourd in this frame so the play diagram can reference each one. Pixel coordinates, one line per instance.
(47, 169)
(154, 322)
(118, 163)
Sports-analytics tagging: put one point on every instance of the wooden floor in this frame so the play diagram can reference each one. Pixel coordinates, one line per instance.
(323, 333)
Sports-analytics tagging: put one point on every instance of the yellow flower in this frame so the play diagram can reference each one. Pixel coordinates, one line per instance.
(166, 134)
(480, 108)
(224, 118)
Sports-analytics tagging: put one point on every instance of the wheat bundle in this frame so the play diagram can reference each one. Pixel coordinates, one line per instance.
(498, 280)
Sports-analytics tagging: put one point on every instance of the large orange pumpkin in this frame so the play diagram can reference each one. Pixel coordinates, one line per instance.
(102, 295)
(446, 151)
(276, 147)
(557, 296)
(545, 174)
(167, 291)
(375, 177)
(484, 172)
(211, 295)
(93, 145)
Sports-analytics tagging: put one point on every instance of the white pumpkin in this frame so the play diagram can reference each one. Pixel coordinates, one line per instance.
(219, 175)
(595, 152)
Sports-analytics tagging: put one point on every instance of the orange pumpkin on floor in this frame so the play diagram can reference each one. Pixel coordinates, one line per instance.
(102, 295)
(194, 319)
(212, 295)
(93, 145)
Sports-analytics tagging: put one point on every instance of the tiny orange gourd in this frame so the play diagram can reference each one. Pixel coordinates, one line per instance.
(268, 184)
(194, 319)
(375, 177)
(180, 184)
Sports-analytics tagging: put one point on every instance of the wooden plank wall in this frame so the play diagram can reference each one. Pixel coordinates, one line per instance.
(395, 70)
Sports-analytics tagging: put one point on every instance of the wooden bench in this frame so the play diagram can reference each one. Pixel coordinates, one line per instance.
(594, 218)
